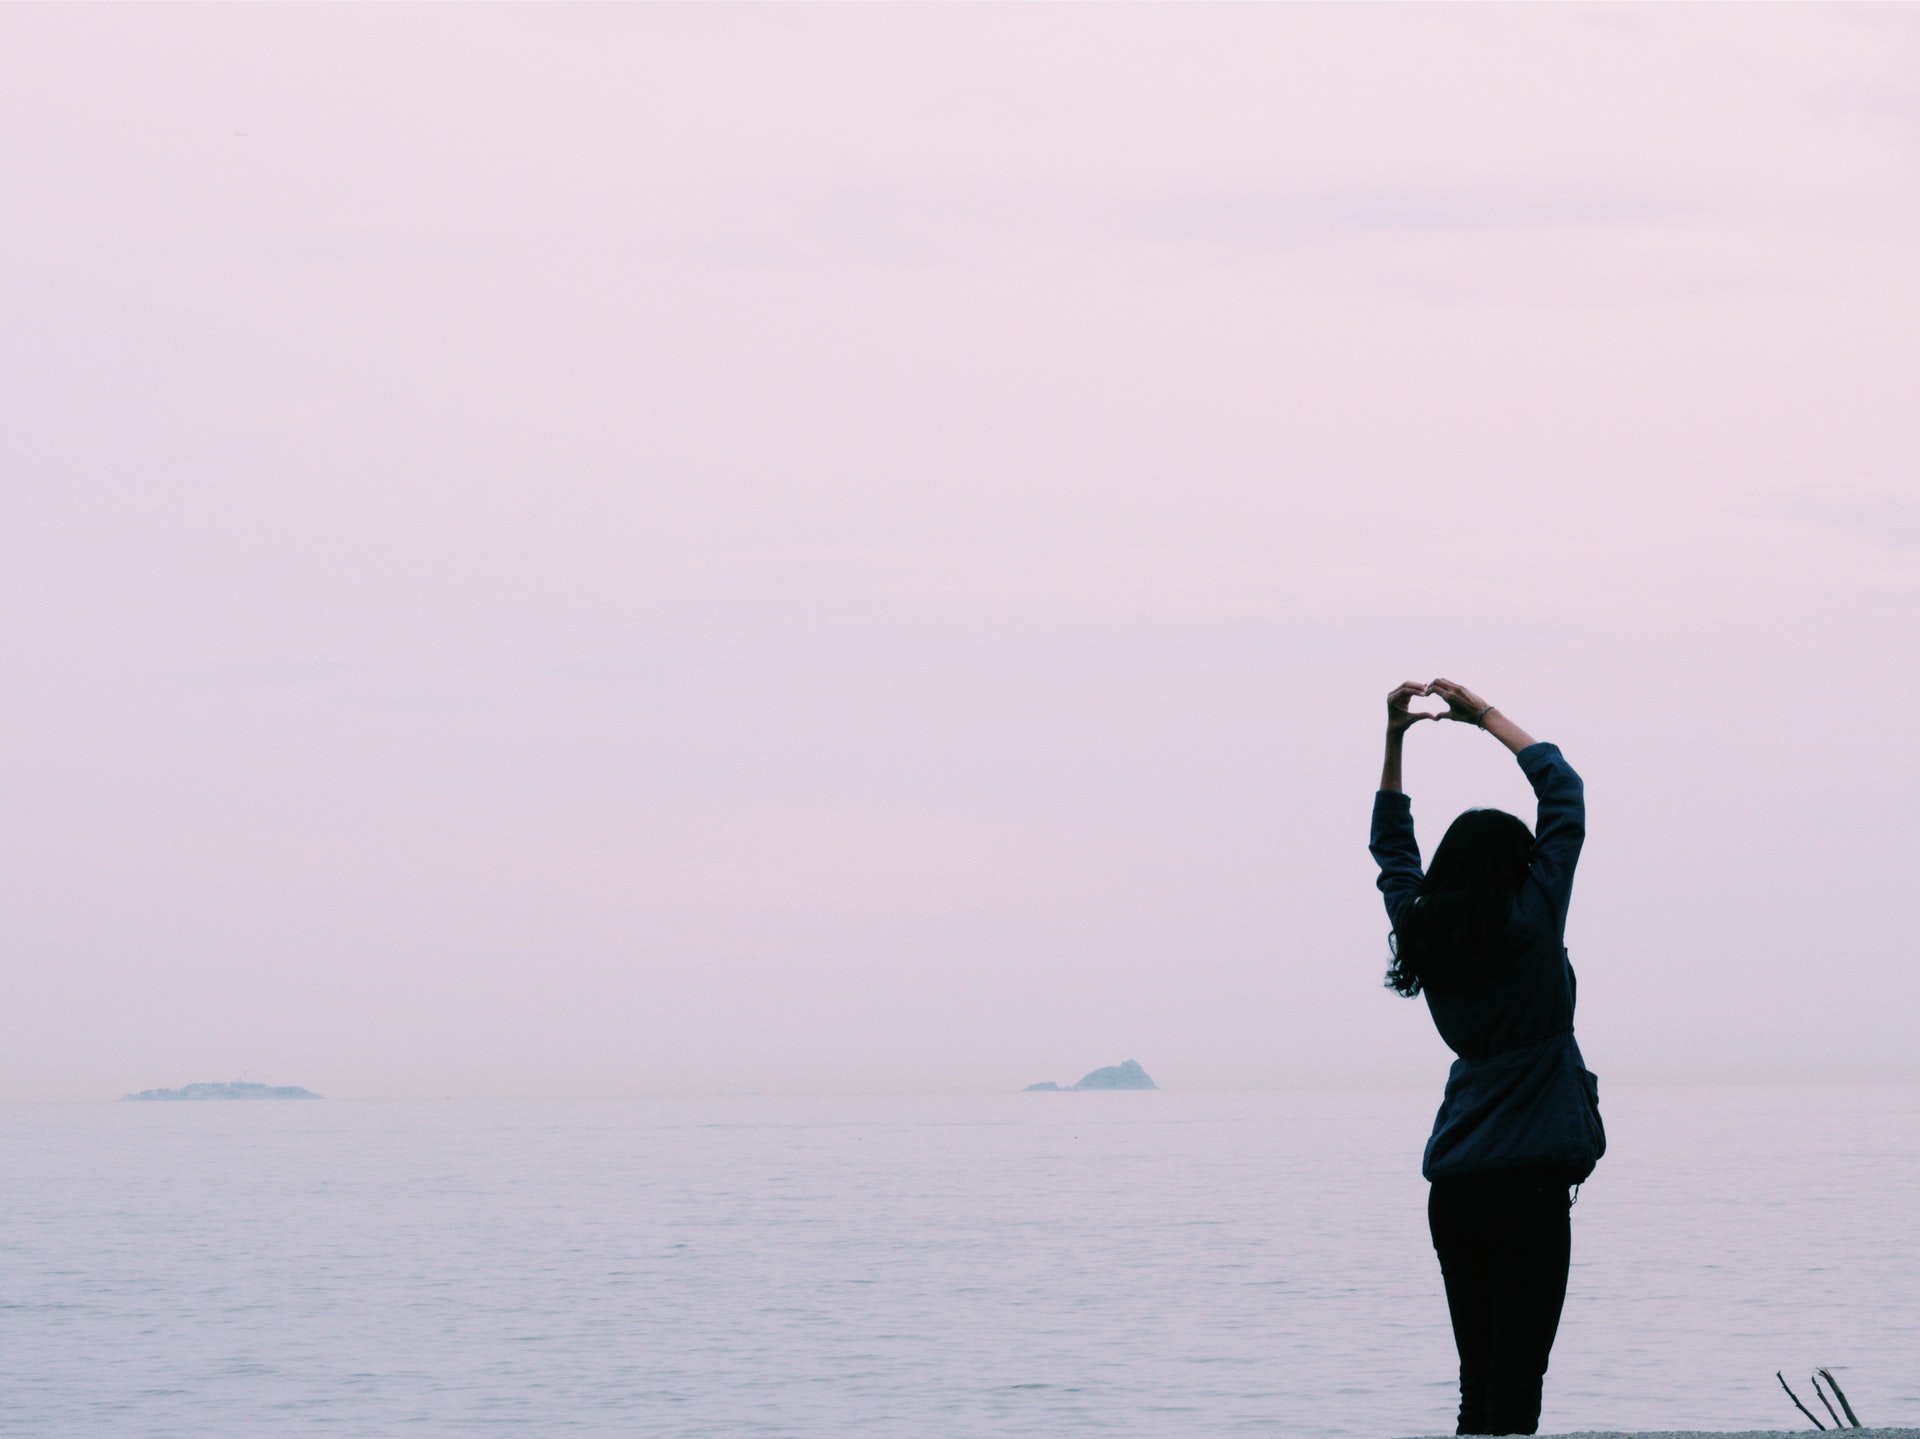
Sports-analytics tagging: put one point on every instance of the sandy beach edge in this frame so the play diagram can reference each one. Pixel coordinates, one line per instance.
(1715, 1434)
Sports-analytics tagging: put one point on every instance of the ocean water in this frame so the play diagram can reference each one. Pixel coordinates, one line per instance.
(1029, 1264)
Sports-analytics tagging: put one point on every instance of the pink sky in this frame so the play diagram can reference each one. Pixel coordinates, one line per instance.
(572, 550)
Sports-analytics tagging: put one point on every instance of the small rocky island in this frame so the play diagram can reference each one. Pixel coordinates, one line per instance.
(234, 1089)
(1125, 1075)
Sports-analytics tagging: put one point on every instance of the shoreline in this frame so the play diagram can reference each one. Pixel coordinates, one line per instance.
(1868, 1433)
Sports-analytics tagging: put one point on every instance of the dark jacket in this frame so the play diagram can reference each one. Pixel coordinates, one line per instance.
(1519, 1095)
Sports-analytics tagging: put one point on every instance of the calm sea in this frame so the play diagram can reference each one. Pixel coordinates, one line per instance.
(1029, 1264)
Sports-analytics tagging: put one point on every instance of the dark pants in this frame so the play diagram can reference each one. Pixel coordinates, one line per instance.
(1503, 1241)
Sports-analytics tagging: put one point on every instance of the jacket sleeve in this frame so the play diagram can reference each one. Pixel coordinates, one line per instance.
(1395, 849)
(1562, 824)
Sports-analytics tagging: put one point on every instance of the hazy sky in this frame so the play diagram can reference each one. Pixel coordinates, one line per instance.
(606, 550)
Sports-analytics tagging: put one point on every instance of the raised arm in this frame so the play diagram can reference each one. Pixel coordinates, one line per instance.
(1400, 719)
(1561, 826)
(1392, 843)
(1467, 707)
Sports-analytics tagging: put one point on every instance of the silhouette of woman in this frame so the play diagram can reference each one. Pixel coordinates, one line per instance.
(1481, 932)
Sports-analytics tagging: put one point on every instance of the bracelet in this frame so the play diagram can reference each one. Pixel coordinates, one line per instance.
(1481, 718)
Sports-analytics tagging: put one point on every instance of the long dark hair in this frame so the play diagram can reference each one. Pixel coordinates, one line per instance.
(1450, 937)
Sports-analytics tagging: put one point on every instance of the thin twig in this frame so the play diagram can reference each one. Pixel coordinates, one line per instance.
(1814, 1379)
(1796, 1399)
(1841, 1395)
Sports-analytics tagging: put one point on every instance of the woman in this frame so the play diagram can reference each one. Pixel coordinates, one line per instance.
(1481, 934)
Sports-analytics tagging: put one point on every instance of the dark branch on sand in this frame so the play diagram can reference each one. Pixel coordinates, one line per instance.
(1796, 1400)
(1814, 1379)
(1841, 1395)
